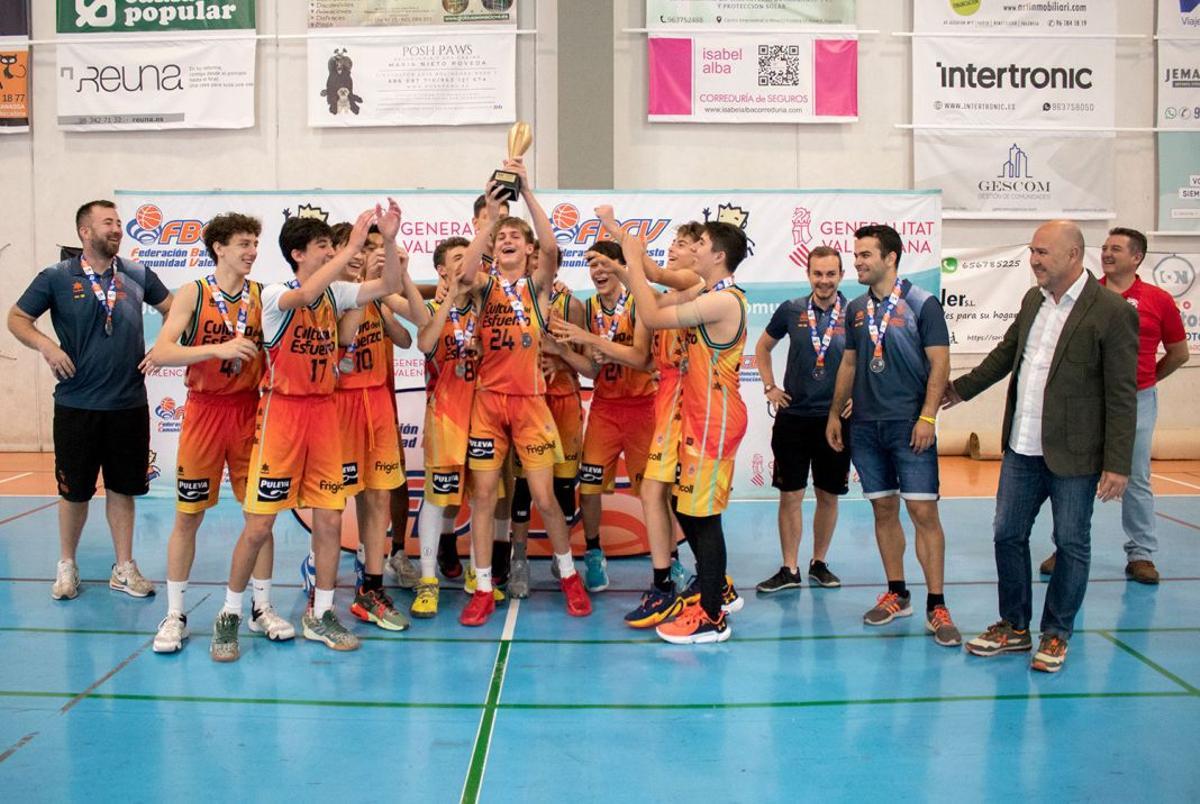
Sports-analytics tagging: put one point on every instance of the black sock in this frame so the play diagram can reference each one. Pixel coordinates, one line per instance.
(592, 542)
(932, 601)
(898, 587)
(708, 540)
(448, 545)
(564, 492)
(501, 552)
(662, 579)
(675, 554)
(372, 582)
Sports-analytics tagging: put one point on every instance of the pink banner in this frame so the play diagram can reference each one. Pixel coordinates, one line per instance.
(670, 76)
(835, 77)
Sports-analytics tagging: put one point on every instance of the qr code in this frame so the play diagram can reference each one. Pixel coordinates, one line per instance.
(779, 65)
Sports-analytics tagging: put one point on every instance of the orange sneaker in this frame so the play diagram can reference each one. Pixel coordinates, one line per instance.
(578, 603)
(478, 610)
(693, 626)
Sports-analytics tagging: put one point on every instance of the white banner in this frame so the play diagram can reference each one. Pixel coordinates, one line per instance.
(777, 14)
(1179, 18)
(1176, 274)
(190, 83)
(982, 290)
(165, 231)
(1018, 176)
(1006, 82)
(1179, 84)
(388, 13)
(1032, 18)
(753, 78)
(430, 80)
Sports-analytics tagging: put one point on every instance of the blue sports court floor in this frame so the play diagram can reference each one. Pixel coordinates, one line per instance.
(804, 702)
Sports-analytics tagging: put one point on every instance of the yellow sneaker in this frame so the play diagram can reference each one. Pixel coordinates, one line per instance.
(469, 586)
(425, 605)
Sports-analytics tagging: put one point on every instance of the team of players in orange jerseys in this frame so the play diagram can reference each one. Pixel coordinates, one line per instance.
(290, 386)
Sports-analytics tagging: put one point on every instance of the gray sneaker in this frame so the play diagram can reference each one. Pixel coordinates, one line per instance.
(938, 623)
(407, 573)
(888, 607)
(66, 581)
(329, 629)
(1000, 637)
(128, 579)
(518, 577)
(224, 647)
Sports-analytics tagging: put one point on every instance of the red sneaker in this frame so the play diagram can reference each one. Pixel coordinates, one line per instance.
(478, 610)
(578, 603)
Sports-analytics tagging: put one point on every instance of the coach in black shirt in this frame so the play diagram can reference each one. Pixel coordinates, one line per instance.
(101, 417)
(814, 324)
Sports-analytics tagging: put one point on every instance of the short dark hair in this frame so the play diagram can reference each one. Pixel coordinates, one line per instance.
(691, 230)
(825, 251)
(887, 237)
(439, 253)
(728, 239)
(297, 233)
(610, 249)
(1136, 238)
(222, 228)
(339, 233)
(85, 211)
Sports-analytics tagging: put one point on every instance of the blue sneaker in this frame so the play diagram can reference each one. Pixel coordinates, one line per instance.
(597, 570)
(679, 576)
(308, 573)
(360, 567)
(656, 606)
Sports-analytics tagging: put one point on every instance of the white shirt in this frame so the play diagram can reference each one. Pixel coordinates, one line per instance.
(1026, 436)
(345, 297)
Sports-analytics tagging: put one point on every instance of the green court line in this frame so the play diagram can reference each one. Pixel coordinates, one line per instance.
(1150, 663)
(493, 705)
(483, 737)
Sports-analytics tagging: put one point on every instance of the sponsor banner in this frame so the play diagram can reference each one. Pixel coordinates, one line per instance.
(982, 290)
(1017, 176)
(390, 13)
(428, 80)
(1176, 274)
(14, 66)
(1014, 16)
(1179, 18)
(165, 232)
(753, 78)
(1179, 84)
(153, 16)
(737, 13)
(1179, 181)
(200, 78)
(1014, 82)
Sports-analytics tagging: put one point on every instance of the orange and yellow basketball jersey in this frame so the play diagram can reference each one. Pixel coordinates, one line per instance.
(372, 352)
(450, 376)
(668, 348)
(302, 360)
(616, 381)
(511, 362)
(563, 381)
(209, 326)
(713, 411)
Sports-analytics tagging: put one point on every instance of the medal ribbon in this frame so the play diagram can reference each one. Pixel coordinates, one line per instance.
(243, 301)
(877, 333)
(821, 346)
(727, 282)
(461, 337)
(107, 300)
(618, 311)
(513, 292)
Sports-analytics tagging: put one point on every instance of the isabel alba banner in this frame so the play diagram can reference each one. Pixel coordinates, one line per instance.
(188, 64)
(738, 13)
(419, 71)
(14, 66)
(1179, 110)
(165, 233)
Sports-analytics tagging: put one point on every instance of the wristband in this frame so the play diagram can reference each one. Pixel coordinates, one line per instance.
(929, 419)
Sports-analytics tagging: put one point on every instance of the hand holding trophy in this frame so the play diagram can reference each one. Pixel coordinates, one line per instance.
(520, 137)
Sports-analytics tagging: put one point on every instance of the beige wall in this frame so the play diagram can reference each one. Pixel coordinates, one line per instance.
(49, 172)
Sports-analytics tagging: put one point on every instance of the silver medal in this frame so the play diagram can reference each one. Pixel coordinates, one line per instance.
(235, 365)
(526, 340)
(818, 373)
(108, 326)
(346, 365)
(877, 365)
(460, 370)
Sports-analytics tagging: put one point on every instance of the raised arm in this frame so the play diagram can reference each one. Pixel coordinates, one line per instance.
(395, 258)
(547, 264)
(316, 284)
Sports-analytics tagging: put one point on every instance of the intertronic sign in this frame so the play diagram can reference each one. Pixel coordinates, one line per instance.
(1014, 82)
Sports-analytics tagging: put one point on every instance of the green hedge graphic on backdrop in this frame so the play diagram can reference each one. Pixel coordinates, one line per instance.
(141, 16)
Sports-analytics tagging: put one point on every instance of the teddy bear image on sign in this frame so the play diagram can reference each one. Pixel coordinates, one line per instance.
(339, 86)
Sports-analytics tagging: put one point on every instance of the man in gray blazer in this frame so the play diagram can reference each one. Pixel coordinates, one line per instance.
(1069, 426)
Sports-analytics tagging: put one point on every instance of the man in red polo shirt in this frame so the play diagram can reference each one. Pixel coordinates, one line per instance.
(1159, 322)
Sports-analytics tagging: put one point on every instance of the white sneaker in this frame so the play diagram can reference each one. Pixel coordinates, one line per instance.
(172, 631)
(268, 621)
(128, 579)
(66, 581)
(407, 573)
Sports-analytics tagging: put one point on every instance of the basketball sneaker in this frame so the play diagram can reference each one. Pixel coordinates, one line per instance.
(693, 626)
(271, 624)
(596, 566)
(329, 629)
(469, 586)
(406, 572)
(425, 605)
(731, 601)
(656, 606)
(578, 602)
(518, 576)
(376, 607)
(172, 632)
(224, 646)
(478, 610)
(449, 563)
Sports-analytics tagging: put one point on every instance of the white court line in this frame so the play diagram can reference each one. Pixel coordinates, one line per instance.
(15, 477)
(473, 783)
(1173, 480)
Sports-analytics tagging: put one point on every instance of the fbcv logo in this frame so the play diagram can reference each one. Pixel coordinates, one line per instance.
(570, 228)
(148, 227)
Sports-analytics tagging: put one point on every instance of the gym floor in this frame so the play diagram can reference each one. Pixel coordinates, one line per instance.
(804, 702)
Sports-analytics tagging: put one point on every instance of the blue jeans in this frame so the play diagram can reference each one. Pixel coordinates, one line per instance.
(1026, 483)
(886, 464)
(1137, 506)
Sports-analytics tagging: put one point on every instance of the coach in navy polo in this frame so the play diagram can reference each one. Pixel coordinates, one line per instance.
(897, 361)
(101, 417)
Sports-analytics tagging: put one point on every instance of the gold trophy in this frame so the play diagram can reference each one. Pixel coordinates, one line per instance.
(520, 137)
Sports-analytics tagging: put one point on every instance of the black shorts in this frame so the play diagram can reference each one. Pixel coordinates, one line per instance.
(798, 442)
(88, 441)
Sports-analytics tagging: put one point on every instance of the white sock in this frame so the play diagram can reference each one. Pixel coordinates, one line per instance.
(175, 590)
(566, 565)
(429, 533)
(233, 601)
(502, 533)
(322, 602)
(483, 579)
(261, 593)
